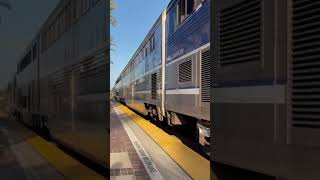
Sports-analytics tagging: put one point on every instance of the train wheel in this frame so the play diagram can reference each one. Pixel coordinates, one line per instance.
(203, 135)
(154, 114)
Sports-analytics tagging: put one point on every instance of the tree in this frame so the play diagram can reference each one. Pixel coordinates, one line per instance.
(113, 22)
(113, 6)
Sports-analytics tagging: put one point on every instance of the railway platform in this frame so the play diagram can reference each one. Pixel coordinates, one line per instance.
(141, 150)
(26, 156)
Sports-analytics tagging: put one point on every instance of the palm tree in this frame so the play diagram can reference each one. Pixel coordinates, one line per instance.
(113, 6)
(113, 22)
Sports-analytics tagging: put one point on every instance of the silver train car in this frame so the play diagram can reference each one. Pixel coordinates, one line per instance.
(168, 76)
(266, 87)
(61, 80)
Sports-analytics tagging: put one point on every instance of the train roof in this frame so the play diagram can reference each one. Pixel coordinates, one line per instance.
(146, 38)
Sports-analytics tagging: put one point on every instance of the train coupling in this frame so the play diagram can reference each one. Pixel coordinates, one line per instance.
(204, 134)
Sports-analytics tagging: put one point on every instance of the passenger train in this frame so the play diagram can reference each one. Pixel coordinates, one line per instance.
(168, 76)
(266, 105)
(61, 78)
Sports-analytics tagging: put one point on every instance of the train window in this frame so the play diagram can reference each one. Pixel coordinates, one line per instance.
(181, 8)
(56, 29)
(140, 56)
(148, 48)
(76, 10)
(185, 8)
(49, 37)
(35, 51)
(179, 11)
(136, 61)
(197, 4)
(43, 41)
(94, 2)
(63, 23)
(52, 34)
(52, 37)
(152, 42)
(68, 16)
(85, 5)
(143, 52)
(58, 21)
(172, 19)
(25, 61)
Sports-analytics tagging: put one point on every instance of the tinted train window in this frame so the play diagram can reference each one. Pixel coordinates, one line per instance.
(197, 4)
(181, 11)
(68, 16)
(152, 42)
(178, 12)
(185, 8)
(35, 51)
(25, 61)
(172, 19)
(76, 10)
(85, 5)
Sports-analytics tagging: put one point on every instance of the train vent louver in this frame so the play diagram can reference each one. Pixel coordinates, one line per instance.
(154, 86)
(185, 71)
(305, 102)
(205, 76)
(240, 33)
(92, 66)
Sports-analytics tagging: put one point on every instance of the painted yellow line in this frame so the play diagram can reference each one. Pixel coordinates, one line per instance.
(195, 165)
(66, 165)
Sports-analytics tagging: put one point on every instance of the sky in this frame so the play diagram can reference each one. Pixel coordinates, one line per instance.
(18, 27)
(134, 20)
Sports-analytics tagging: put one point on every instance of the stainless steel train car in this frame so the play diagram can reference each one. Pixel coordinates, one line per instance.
(168, 75)
(61, 78)
(266, 87)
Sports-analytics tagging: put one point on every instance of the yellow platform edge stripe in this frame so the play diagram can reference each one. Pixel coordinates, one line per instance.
(63, 163)
(195, 165)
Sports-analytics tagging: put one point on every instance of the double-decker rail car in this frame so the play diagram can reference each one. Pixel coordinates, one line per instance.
(168, 76)
(266, 87)
(61, 79)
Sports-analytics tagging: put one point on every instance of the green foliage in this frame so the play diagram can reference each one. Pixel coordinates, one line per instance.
(113, 6)
(113, 22)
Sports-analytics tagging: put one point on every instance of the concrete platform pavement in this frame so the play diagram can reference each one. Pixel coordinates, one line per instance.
(18, 159)
(134, 155)
(26, 156)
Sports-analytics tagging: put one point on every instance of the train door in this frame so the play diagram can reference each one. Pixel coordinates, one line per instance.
(163, 62)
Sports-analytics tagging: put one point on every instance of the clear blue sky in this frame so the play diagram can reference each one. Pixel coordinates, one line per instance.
(135, 18)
